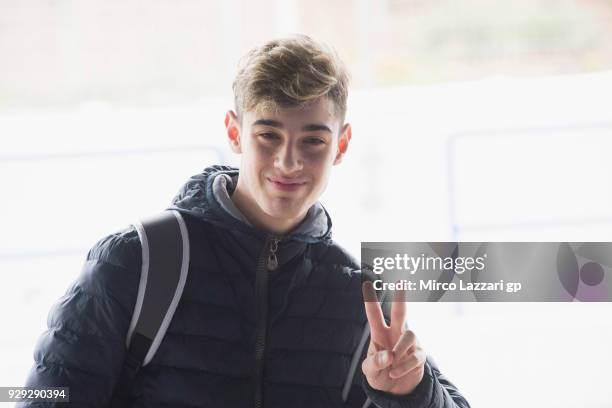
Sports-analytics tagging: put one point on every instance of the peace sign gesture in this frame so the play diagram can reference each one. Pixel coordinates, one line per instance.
(395, 361)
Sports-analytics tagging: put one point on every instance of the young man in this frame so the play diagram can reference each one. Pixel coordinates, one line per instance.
(272, 313)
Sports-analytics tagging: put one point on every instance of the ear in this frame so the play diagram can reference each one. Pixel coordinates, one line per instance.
(343, 142)
(232, 126)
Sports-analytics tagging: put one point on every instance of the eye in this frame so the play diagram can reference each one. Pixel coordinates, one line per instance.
(268, 136)
(314, 141)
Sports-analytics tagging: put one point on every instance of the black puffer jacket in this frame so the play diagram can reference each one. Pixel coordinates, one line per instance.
(315, 320)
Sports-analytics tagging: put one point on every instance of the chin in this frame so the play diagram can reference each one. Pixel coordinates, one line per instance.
(280, 208)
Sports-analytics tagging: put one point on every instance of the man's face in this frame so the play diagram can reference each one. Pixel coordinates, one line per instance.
(287, 156)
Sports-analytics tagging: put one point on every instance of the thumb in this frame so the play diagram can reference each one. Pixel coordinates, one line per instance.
(383, 359)
(376, 362)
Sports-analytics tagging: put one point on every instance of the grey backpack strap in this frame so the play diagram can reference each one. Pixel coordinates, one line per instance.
(165, 263)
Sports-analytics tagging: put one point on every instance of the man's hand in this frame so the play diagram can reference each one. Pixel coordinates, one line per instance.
(395, 360)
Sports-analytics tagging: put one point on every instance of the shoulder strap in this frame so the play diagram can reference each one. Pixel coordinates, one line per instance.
(165, 264)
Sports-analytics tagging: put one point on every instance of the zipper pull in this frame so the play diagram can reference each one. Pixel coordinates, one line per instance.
(272, 259)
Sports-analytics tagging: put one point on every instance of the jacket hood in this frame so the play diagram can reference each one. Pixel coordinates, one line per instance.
(207, 196)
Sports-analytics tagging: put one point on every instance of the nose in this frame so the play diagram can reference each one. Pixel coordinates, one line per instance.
(288, 159)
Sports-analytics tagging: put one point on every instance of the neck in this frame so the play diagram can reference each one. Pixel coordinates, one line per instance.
(259, 218)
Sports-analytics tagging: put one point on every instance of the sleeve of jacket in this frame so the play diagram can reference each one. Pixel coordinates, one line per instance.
(84, 346)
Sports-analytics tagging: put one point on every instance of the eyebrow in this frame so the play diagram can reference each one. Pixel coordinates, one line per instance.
(311, 127)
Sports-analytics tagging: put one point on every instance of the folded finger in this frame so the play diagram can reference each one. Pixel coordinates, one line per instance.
(411, 362)
(406, 340)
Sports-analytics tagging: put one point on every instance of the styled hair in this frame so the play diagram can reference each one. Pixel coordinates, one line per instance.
(290, 72)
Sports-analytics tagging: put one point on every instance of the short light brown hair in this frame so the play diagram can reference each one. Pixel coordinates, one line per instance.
(290, 72)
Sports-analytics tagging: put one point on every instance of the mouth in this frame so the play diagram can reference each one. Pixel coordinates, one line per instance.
(286, 184)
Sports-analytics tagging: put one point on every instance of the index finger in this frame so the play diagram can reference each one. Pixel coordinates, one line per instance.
(374, 313)
(398, 313)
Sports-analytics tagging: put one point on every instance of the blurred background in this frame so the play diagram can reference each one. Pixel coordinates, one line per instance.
(473, 120)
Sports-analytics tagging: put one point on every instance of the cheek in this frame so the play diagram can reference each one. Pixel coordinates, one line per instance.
(263, 152)
(318, 157)
(258, 157)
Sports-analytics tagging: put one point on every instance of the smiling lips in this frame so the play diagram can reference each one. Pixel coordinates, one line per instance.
(286, 184)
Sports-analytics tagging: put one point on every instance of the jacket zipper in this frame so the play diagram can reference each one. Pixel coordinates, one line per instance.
(268, 261)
